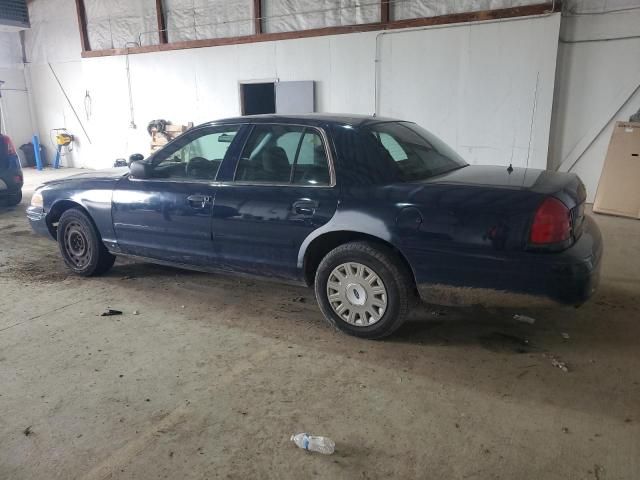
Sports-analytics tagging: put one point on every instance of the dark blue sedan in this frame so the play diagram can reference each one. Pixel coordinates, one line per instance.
(370, 211)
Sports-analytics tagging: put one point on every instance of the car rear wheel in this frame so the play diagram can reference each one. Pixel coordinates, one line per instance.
(364, 289)
(81, 246)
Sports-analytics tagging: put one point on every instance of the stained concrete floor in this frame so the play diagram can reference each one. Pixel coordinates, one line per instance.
(214, 374)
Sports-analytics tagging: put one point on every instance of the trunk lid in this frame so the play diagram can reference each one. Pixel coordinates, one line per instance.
(491, 207)
(566, 187)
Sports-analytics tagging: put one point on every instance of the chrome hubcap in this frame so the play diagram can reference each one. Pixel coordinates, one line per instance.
(357, 294)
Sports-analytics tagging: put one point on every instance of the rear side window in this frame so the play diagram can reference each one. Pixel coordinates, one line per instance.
(284, 154)
(409, 151)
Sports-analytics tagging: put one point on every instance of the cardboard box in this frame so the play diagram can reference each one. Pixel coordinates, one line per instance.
(158, 139)
(175, 128)
(619, 186)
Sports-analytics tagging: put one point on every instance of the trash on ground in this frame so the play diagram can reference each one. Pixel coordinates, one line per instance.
(556, 362)
(136, 312)
(565, 336)
(110, 312)
(27, 431)
(300, 299)
(314, 443)
(524, 319)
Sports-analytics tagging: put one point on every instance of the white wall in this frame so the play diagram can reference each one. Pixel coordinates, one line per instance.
(478, 87)
(595, 81)
(472, 85)
(14, 102)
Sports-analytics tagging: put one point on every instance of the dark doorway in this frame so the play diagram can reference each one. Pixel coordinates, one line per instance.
(258, 98)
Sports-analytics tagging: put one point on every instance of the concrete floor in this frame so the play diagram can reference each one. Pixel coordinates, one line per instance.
(214, 374)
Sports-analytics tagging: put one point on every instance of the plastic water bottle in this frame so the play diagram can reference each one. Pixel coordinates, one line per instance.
(314, 443)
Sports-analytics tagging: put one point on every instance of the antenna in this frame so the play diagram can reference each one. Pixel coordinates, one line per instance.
(533, 113)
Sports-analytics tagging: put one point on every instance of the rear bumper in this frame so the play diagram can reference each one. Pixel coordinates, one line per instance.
(11, 177)
(569, 277)
(8, 184)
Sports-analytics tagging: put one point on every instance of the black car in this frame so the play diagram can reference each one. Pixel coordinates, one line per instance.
(368, 210)
(11, 179)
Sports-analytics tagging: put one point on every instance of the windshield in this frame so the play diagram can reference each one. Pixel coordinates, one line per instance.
(413, 152)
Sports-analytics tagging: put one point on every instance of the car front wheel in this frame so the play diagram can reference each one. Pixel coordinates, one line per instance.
(364, 289)
(81, 246)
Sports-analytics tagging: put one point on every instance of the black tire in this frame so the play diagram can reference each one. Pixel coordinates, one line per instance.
(386, 264)
(15, 199)
(81, 246)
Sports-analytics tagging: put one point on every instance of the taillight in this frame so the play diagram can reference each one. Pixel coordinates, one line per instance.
(551, 223)
(11, 150)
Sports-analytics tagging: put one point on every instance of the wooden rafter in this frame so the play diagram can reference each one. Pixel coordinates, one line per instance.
(528, 10)
(257, 17)
(385, 11)
(162, 25)
(82, 26)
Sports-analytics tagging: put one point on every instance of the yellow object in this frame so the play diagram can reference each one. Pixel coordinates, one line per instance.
(64, 139)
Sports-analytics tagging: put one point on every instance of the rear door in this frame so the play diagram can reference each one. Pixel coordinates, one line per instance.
(283, 189)
(168, 216)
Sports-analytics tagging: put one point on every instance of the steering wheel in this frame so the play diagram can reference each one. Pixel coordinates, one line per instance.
(197, 167)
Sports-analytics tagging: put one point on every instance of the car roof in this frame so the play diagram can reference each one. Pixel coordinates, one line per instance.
(317, 119)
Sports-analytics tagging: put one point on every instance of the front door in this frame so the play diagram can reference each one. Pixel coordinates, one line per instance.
(168, 215)
(282, 190)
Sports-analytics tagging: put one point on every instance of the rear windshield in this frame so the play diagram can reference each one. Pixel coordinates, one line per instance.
(411, 151)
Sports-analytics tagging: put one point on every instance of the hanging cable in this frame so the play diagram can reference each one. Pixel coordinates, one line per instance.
(87, 105)
(69, 102)
(132, 123)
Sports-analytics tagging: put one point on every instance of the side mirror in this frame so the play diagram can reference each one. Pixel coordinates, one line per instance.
(140, 169)
(135, 157)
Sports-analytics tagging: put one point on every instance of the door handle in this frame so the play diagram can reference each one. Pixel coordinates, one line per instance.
(198, 201)
(305, 207)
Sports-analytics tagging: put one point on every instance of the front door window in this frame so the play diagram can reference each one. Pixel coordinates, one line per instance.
(197, 157)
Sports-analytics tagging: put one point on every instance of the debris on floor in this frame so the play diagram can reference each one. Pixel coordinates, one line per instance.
(300, 299)
(524, 319)
(565, 336)
(598, 471)
(27, 431)
(110, 312)
(314, 443)
(556, 362)
(136, 312)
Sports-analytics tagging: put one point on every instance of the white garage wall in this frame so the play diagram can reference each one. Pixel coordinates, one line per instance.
(596, 78)
(473, 85)
(14, 101)
(478, 87)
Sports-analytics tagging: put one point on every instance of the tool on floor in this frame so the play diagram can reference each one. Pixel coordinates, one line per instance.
(63, 140)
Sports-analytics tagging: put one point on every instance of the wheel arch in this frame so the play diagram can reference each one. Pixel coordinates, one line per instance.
(56, 211)
(324, 243)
